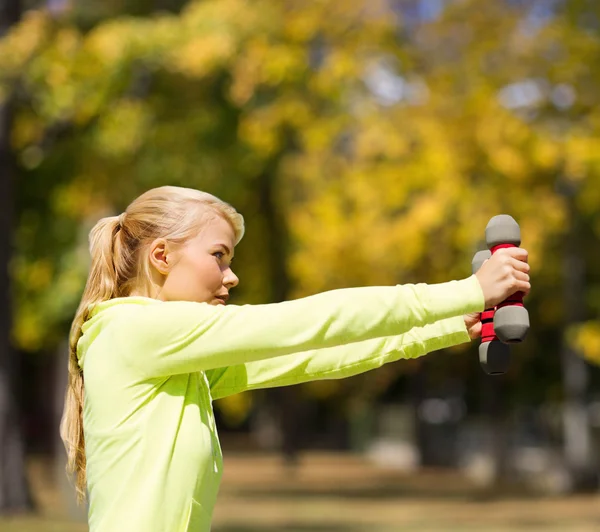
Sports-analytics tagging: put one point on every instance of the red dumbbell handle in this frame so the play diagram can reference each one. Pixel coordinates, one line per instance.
(487, 326)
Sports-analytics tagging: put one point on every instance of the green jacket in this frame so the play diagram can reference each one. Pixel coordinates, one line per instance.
(153, 368)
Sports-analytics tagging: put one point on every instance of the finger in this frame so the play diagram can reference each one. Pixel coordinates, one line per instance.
(521, 276)
(518, 253)
(522, 286)
(515, 252)
(519, 265)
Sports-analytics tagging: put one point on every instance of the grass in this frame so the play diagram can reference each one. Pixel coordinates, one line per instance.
(343, 493)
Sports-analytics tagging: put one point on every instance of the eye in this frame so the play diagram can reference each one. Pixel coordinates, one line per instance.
(219, 254)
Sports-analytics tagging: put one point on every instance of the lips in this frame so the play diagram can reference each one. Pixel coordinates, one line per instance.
(223, 298)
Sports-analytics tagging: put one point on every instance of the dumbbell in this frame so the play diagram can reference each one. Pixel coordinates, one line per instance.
(494, 355)
(509, 321)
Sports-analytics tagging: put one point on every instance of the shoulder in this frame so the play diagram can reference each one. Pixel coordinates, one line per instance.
(159, 322)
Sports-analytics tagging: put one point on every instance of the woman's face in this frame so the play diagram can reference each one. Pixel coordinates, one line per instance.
(201, 269)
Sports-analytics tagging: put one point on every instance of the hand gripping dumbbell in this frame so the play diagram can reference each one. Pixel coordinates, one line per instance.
(509, 322)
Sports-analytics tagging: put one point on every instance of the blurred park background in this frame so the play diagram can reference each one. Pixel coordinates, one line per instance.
(366, 142)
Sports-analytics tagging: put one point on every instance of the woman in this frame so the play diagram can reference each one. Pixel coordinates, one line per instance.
(153, 343)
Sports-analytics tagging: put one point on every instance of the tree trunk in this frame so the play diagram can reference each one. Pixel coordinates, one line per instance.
(578, 449)
(286, 400)
(14, 491)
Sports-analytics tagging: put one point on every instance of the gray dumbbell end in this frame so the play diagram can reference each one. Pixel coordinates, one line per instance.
(502, 229)
(479, 258)
(511, 324)
(494, 357)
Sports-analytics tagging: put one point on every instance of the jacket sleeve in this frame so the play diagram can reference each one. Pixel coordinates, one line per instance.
(336, 362)
(169, 338)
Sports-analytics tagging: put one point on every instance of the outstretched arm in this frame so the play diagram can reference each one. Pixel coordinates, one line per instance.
(336, 362)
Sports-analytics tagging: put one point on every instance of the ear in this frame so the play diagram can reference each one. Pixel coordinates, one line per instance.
(159, 256)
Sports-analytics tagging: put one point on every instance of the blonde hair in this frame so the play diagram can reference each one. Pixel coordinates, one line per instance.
(119, 266)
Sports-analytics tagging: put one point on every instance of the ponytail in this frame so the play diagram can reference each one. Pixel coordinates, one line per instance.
(101, 286)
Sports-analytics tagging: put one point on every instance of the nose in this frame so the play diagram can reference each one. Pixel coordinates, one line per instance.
(230, 279)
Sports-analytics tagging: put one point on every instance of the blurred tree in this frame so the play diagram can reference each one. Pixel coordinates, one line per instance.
(14, 490)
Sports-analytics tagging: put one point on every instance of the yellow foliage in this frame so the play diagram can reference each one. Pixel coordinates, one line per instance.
(39, 274)
(235, 408)
(381, 138)
(123, 128)
(509, 161)
(77, 200)
(26, 130)
(246, 70)
(201, 55)
(27, 331)
(546, 153)
(22, 42)
(585, 339)
(237, 17)
(302, 25)
(259, 129)
(320, 134)
(110, 42)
